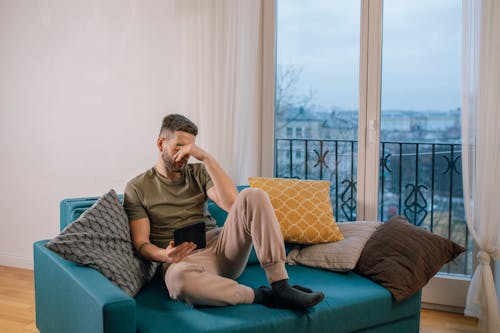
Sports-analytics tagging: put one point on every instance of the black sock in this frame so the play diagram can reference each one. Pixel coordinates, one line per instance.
(301, 288)
(264, 296)
(280, 285)
(287, 296)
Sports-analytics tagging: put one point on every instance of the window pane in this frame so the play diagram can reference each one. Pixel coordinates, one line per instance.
(420, 172)
(317, 93)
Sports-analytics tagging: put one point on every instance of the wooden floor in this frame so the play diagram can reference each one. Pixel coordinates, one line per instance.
(17, 301)
(17, 308)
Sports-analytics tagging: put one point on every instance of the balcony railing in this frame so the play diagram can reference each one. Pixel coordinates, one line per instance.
(419, 180)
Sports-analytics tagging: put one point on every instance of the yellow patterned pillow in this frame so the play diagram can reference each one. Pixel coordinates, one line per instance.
(303, 209)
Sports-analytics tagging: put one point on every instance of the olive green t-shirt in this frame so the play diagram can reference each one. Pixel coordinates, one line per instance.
(169, 204)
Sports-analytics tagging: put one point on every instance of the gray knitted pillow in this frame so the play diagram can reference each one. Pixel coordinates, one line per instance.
(100, 238)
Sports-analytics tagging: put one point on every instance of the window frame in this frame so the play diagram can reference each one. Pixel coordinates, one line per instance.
(454, 295)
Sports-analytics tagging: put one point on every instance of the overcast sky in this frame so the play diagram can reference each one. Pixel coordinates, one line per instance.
(421, 51)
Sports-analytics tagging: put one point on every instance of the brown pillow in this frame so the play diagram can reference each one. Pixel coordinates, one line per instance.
(403, 257)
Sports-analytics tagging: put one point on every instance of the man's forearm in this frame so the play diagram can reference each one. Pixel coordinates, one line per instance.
(151, 252)
(226, 190)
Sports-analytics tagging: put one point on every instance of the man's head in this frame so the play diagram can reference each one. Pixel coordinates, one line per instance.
(176, 131)
(176, 122)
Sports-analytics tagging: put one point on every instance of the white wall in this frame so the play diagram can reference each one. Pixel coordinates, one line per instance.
(83, 88)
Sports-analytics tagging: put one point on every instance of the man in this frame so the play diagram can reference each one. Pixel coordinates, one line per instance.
(174, 194)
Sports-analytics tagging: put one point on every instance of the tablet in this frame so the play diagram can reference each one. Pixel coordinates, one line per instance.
(192, 233)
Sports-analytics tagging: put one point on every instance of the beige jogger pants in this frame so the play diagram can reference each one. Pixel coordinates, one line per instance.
(206, 277)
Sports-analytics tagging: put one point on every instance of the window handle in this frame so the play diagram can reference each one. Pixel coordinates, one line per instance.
(371, 131)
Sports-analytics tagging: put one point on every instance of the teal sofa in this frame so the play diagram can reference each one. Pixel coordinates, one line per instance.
(76, 299)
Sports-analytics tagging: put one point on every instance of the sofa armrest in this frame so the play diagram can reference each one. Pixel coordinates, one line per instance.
(77, 299)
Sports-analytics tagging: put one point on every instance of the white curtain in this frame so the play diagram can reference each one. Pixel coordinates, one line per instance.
(481, 151)
(219, 76)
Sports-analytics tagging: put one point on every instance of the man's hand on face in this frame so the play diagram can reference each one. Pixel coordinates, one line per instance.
(175, 254)
(183, 152)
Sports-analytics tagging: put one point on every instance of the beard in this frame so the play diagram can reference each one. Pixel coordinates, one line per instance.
(172, 166)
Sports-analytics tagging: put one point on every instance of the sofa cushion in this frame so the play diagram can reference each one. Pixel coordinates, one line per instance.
(403, 257)
(303, 209)
(347, 295)
(100, 238)
(338, 256)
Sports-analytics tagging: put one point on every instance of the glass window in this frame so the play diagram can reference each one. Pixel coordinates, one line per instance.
(317, 93)
(420, 147)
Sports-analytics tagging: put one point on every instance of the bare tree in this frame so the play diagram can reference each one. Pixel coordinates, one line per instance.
(286, 98)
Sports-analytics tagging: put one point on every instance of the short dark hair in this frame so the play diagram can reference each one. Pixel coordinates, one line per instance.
(178, 122)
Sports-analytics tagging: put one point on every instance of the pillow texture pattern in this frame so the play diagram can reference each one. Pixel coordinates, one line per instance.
(100, 238)
(303, 209)
(403, 257)
(340, 256)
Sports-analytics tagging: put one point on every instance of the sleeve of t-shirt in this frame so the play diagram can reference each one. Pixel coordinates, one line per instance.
(132, 204)
(204, 177)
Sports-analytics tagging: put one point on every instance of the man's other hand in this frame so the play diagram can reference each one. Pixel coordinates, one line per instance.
(174, 254)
